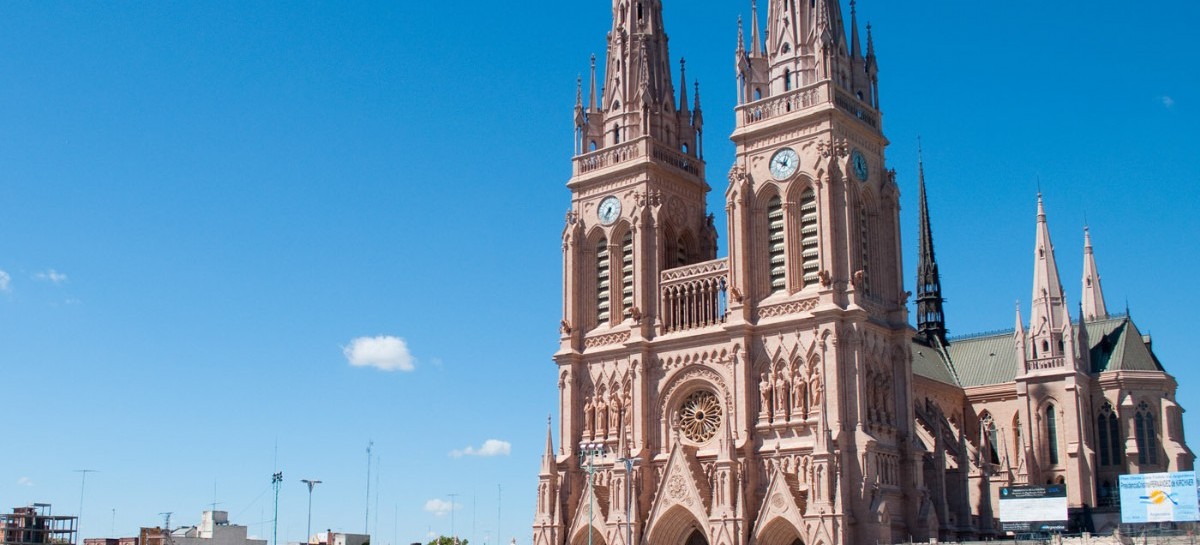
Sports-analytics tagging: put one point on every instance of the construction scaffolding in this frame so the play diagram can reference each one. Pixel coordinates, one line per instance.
(35, 525)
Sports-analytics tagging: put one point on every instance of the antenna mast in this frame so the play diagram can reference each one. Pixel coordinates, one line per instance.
(367, 515)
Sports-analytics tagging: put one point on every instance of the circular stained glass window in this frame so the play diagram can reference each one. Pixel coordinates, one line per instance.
(700, 416)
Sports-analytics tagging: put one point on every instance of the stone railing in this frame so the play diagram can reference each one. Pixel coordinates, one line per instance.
(607, 157)
(791, 101)
(694, 296)
(1047, 363)
(681, 161)
(857, 108)
(637, 149)
(803, 98)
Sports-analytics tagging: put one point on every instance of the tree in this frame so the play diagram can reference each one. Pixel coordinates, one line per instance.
(444, 540)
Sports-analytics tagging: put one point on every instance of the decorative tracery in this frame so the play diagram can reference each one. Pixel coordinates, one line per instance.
(700, 416)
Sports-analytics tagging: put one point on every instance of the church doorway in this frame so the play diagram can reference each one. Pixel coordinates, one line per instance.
(696, 538)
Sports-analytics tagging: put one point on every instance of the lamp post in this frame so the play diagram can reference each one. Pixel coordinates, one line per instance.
(629, 463)
(311, 483)
(590, 451)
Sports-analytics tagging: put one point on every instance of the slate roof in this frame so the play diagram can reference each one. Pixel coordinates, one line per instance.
(1116, 345)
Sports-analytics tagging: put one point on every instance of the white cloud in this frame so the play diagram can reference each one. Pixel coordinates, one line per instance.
(491, 447)
(440, 508)
(24, 481)
(52, 276)
(385, 353)
(1168, 101)
(5, 281)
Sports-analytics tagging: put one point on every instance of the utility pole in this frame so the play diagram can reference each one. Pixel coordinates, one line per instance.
(276, 480)
(311, 483)
(82, 481)
(499, 503)
(452, 535)
(367, 515)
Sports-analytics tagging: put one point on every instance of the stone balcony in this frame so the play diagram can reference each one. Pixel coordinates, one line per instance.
(694, 296)
(805, 99)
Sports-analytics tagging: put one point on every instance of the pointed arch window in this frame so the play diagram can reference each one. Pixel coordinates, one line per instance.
(1052, 434)
(990, 439)
(776, 249)
(864, 238)
(810, 240)
(603, 279)
(627, 275)
(1147, 440)
(1108, 434)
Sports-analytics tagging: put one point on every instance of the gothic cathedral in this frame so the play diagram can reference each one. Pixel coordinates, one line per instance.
(779, 396)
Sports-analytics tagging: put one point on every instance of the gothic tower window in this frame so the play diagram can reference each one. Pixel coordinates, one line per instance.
(1143, 423)
(810, 242)
(776, 250)
(991, 443)
(627, 275)
(1109, 436)
(602, 281)
(1052, 434)
(865, 244)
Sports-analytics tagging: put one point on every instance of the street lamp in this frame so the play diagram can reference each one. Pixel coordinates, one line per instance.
(590, 451)
(629, 463)
(311, 483)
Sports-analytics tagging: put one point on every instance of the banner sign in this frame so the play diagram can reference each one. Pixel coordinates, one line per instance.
(1033, 508)
(1159, 497)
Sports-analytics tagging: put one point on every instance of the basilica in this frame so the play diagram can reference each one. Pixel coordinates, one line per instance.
(780, 395)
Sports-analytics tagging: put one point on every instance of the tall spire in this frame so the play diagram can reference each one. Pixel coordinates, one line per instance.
(931, 321)
(1093, 296)
(855, 43)
(1049, 318)
(755, 42)
(594, 97)
(548, 461)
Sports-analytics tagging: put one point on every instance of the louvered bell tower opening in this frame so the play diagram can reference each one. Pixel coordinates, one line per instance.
(627, 275)
(865, 240)
(810, 242)
(602, 283)
(777, 250)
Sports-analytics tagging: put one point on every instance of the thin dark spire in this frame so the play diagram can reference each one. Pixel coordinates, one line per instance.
(931, 321)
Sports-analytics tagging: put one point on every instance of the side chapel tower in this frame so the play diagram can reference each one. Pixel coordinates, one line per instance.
(760, 398)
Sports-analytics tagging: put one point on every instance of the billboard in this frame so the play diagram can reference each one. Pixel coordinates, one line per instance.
(1033, 508)
(1159, 497)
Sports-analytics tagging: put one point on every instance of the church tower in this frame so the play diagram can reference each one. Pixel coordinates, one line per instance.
(760, 398)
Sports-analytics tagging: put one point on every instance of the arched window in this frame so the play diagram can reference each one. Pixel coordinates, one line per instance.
(990, 439)
(1147, 440)
(810, 240)
(864, 238)
(602, 282)
(1109, 436)
(627, 275)
(682, 248)
(616, 134)
(787, 76)
(776, 250)
(1052, 434)
(592, 146)
(758, 94)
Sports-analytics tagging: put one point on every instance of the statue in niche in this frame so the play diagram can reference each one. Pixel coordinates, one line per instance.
(764, 389)
(601, 416)
(589, 416)
(614, 412)
(781, 397)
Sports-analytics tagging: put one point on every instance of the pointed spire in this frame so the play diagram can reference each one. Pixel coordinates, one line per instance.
(1092, 305)
(855, 44)
(683, 98)
(870, 46)
(594, 96)
(754, 40)
(931, 321)
(548, 457)
(1020, 329)
(741, 46)
(1049, 317)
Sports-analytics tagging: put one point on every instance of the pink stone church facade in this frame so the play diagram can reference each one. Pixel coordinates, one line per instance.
(779, 395)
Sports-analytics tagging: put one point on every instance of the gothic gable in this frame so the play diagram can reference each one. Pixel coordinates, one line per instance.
(783, 504)
(680, 487)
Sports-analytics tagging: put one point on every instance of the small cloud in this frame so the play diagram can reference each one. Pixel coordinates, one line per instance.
(440, 508)
(24, 481)
(52, 276)
(491, 447)
(5, 282)
(385, 353)
(1167, 101)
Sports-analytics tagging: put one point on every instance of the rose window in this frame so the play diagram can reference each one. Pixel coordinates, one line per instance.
(700, 416)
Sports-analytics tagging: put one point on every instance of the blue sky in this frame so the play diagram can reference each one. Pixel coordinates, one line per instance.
(205, 204)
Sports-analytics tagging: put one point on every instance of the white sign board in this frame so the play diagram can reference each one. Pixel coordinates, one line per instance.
(1159, 497)
(1033, 508)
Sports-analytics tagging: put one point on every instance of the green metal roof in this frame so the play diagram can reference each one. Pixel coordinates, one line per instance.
(1116, 345)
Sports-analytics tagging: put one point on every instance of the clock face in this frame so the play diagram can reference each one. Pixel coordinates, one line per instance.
(861, 169)
(784, 163)
(609, 210)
